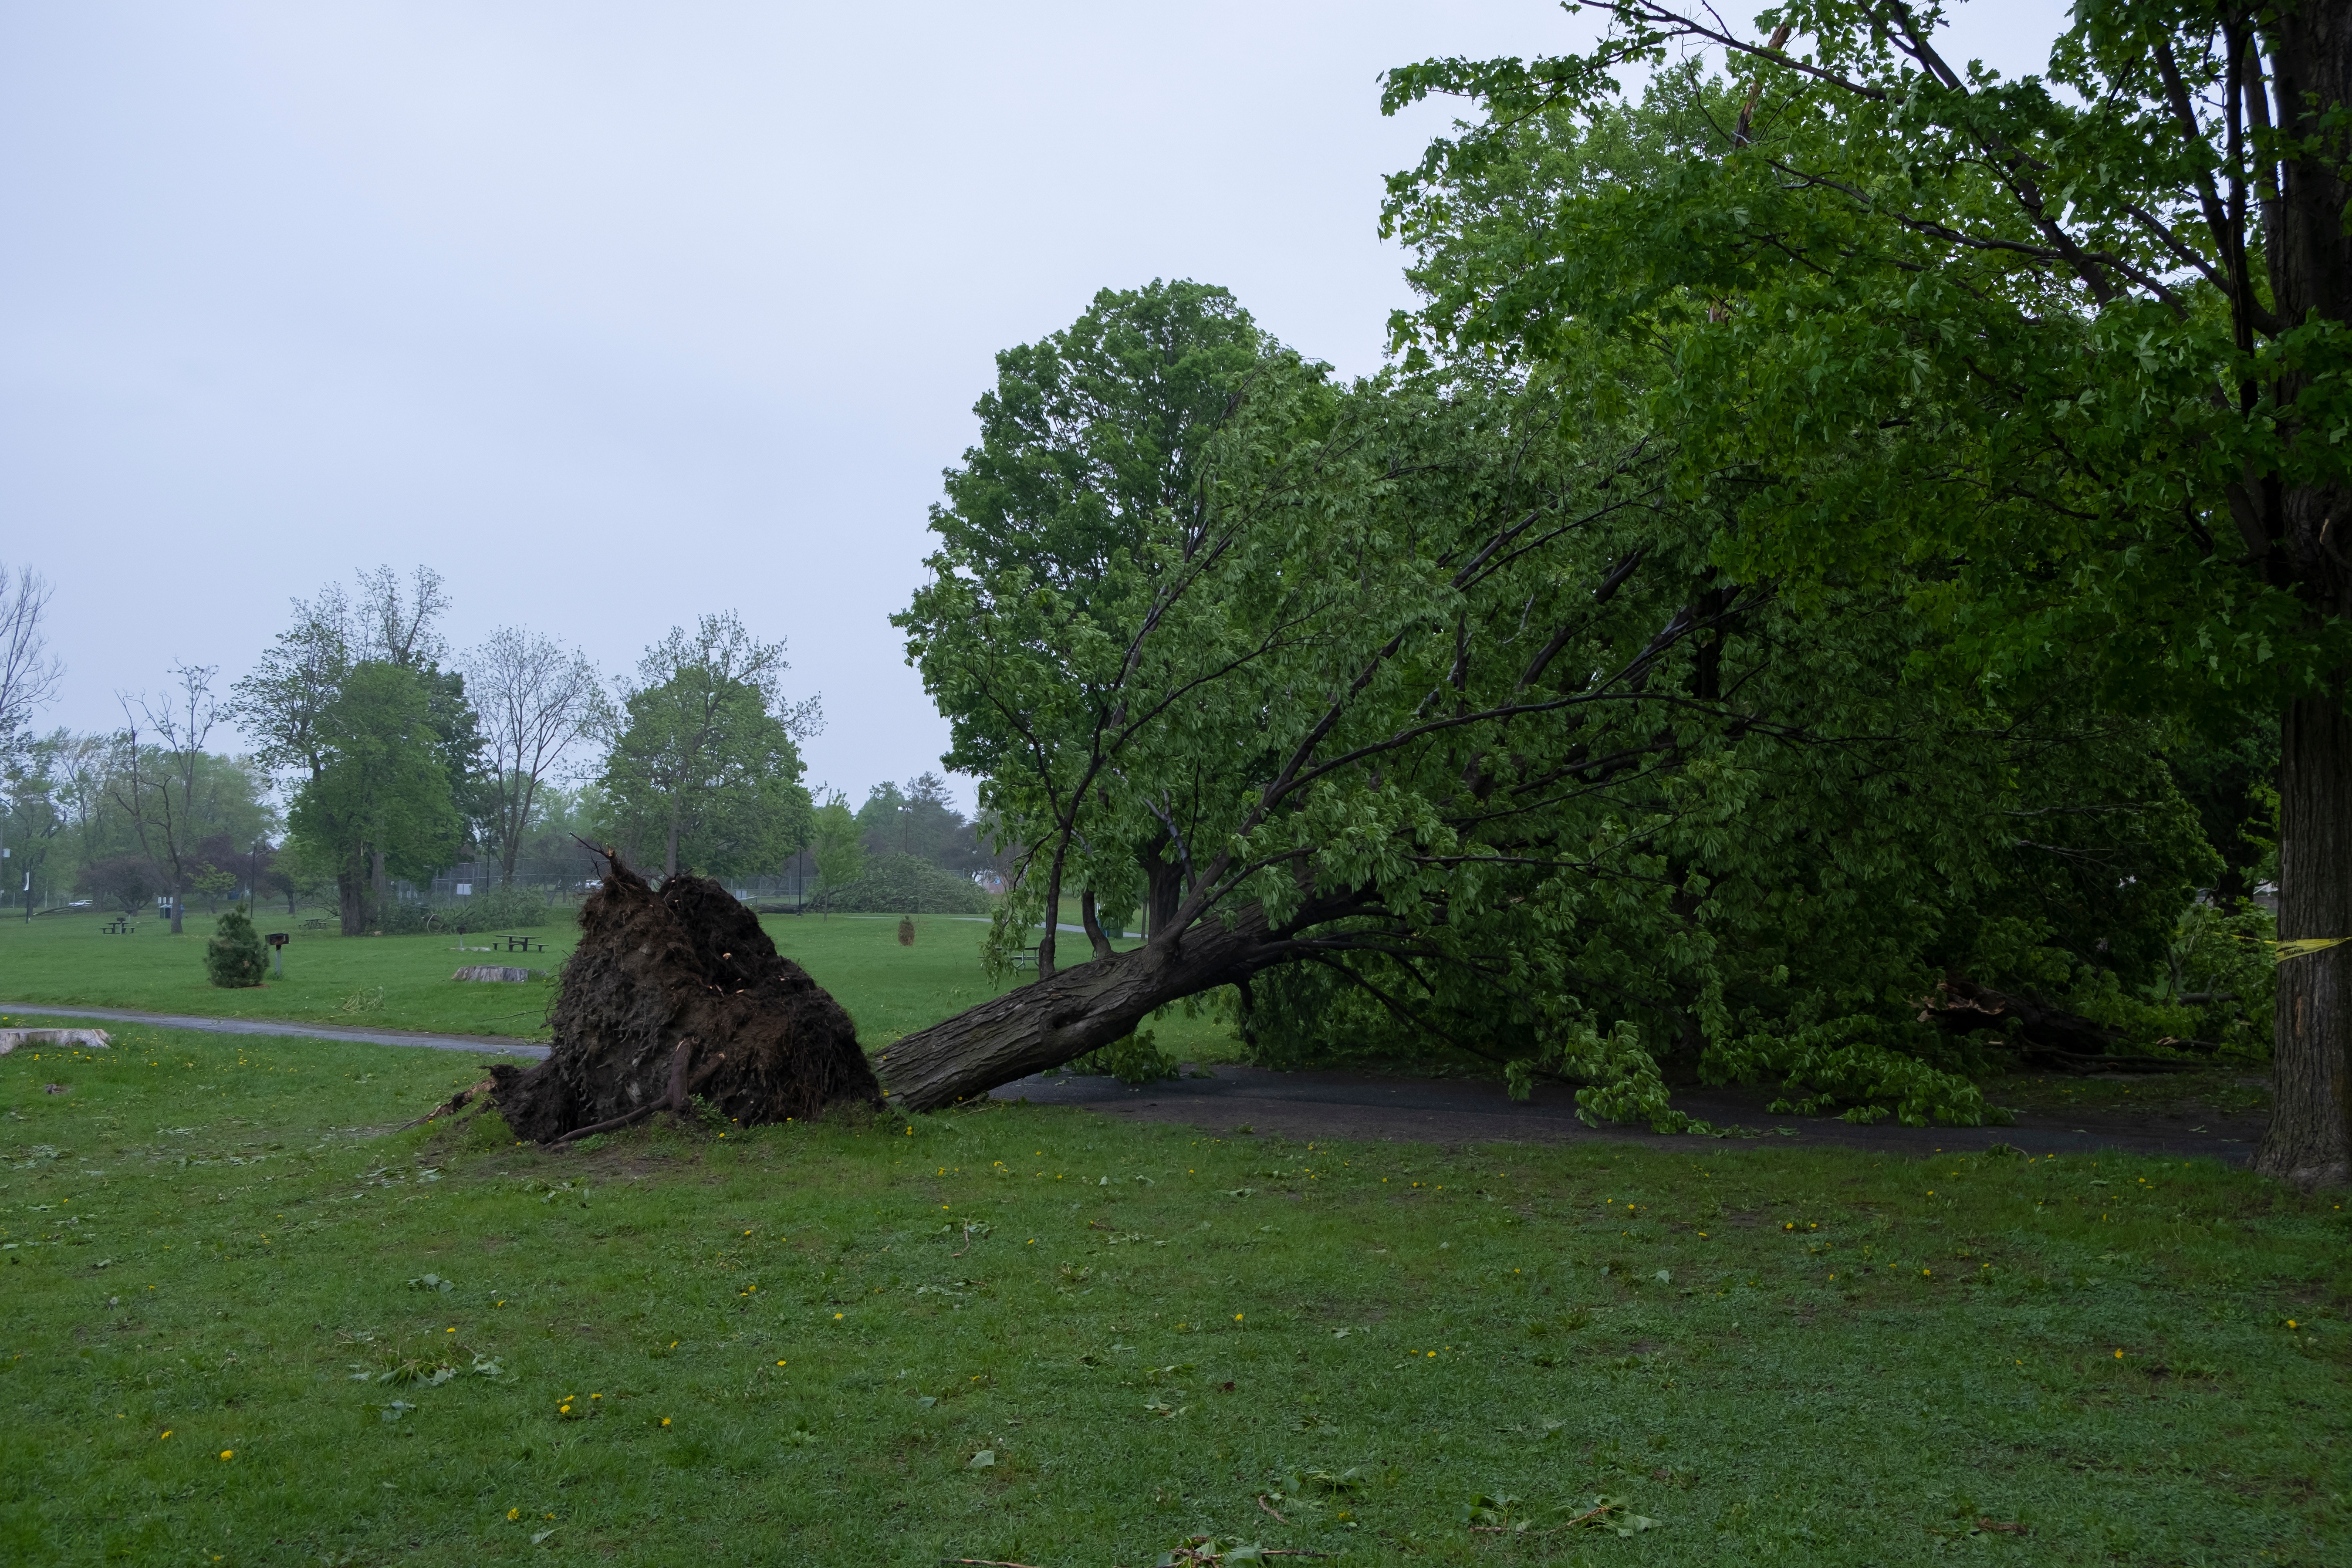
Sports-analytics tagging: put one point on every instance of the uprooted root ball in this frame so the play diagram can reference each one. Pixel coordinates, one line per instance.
(679, 994)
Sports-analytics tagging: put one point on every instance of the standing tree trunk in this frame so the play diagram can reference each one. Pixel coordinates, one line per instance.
(2310, 255)
(2309, 1141)
(351, 894)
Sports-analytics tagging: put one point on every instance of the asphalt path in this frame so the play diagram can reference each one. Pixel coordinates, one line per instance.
(1345, 1105)
(494, 1044)
(1317, 1105)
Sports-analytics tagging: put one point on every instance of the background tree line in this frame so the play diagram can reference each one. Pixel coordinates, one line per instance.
(385, 758)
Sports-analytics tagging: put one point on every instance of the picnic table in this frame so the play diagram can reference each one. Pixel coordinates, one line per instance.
(314, 925)
(1022, 958)
(119, 926)
(520, 944)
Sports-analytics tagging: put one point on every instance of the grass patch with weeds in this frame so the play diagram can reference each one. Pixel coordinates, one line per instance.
(1028, 1334)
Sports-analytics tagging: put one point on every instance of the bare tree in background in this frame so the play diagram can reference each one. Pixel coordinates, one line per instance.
(396, 626)
(537, 701)
(161, 800)
(29, 672)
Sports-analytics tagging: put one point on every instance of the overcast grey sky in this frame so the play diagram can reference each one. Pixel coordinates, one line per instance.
(614, 314)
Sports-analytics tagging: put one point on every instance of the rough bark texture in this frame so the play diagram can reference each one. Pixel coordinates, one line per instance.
(2310, 255)
(2310, 1137)
(351, 903)
(677, 995)
(1064, 1015)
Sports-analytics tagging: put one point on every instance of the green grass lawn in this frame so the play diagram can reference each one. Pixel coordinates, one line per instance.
(1028, 1334)
(403, 981)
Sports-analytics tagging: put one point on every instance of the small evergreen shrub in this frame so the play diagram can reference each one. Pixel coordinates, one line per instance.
(235, 956)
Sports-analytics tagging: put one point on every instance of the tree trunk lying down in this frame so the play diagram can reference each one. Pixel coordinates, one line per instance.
(2043, 1035)
(1074, 1011)
(675, 995)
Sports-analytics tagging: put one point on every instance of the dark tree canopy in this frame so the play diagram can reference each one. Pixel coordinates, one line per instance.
(1433, 719)
(2074, 349)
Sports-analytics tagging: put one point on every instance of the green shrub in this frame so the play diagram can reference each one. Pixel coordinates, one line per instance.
(903, 885)
(1133, 1058)
(235, 956)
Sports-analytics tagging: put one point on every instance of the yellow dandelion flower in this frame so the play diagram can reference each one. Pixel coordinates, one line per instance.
(664, 1420)
(228, 1453)
(514, 1513)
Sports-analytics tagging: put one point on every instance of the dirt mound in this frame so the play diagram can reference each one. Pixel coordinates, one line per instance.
(677, 994)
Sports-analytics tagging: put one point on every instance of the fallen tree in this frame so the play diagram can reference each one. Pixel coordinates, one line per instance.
(1422, 705)
(1338, 692)
(1084, 1007)
(2045, 1036)
(675, 996)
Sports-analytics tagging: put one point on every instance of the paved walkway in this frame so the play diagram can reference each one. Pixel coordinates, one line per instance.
(1313, 1105)
(494, 1044)
(1316, 1105)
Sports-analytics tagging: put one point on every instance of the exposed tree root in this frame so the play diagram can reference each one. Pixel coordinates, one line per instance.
(677, 995)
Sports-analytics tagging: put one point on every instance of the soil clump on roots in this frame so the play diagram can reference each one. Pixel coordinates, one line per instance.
(675, 995)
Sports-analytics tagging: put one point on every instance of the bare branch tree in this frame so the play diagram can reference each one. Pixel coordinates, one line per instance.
(397, 626)
(538, 701)
(29, 673)
(162, 809)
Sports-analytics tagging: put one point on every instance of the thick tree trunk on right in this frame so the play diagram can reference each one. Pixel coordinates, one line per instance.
(2310, 1139)
(2310, 255)
(350, 896)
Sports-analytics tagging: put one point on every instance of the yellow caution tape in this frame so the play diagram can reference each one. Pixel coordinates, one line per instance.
(2298, 946)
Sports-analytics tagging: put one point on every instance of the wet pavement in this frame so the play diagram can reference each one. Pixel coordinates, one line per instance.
(1350, 1105)
(1318, 1104)
(494, 1044)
